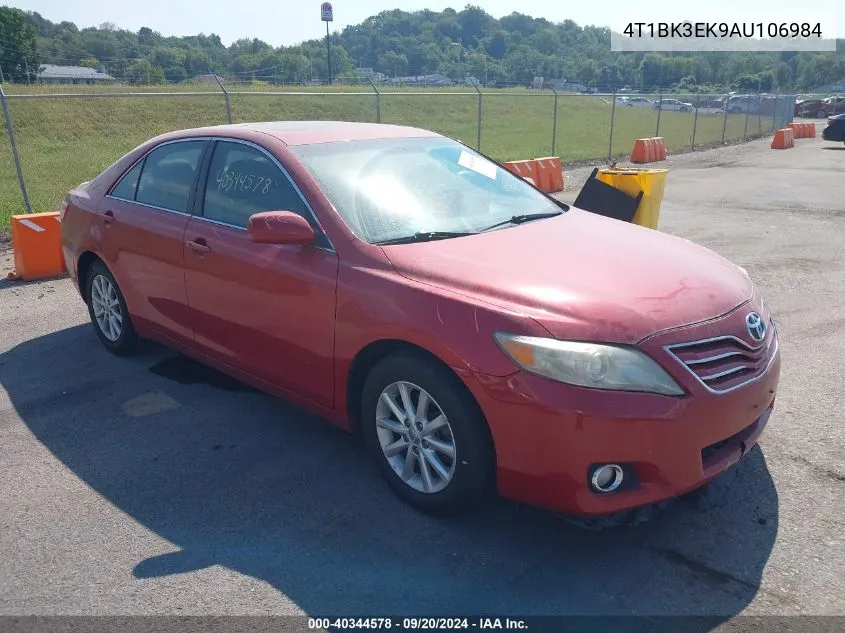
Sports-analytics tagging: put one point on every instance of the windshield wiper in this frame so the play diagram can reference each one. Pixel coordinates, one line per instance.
(519, 219)
(425, 236)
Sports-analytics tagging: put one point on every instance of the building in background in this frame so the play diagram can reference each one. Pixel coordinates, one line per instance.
(52, 74)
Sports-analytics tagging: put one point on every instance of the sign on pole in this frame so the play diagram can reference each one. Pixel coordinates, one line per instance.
(326, 13)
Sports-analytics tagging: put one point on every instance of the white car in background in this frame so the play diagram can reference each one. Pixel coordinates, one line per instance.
(638, 102)
(673, 104)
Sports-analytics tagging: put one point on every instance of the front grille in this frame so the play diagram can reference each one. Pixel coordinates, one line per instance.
(725, 363)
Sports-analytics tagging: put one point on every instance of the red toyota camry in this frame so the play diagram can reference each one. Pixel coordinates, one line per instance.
(480, 334)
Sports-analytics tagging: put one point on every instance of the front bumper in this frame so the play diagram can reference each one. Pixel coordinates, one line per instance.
(831, 134)
(548, 435)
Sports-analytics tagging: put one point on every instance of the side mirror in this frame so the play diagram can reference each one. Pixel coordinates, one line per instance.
(279, 227)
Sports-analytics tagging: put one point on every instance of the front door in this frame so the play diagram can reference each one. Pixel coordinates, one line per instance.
(266, 309)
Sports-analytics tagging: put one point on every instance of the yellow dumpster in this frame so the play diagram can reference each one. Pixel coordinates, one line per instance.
(632, 180)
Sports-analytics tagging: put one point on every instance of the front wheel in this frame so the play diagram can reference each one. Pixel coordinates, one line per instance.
(426, 434)
(821, 114)
(108, 312)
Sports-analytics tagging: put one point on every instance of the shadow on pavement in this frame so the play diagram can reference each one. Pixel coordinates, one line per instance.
(239, 479)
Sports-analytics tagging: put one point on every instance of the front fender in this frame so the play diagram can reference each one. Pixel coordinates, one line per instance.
(376, 306)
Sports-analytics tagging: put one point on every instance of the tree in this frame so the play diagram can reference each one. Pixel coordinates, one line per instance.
(138, 72)
(146, 36)
(175, 74)
(393, 63)
(90, 62)
(513, 49)
(497, 45)
(546, 41)
(19, 57)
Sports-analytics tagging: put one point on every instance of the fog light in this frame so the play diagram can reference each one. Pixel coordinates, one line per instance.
(607, 478)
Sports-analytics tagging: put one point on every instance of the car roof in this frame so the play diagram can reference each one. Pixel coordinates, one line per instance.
(311, 132)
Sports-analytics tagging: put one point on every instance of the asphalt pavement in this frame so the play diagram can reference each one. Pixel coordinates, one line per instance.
(150, 486)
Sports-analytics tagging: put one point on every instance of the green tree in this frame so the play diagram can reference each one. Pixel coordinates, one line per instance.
(394, 64)
(497, 45)
(514, 48)
(175, 74)
(138, 72)
(19, 56)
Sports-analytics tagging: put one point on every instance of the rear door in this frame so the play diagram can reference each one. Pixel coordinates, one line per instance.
(266, 309)
(142, 235)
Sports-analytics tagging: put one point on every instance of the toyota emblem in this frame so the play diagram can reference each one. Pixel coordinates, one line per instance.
(756, 326)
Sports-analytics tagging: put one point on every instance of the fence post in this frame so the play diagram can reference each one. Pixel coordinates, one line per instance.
(11, 132)
(226, 97)
(378, 100)
(695, 122)
(659, 109)
(478, 142)
(725, 122)
(747, 112)
(759, 114)
(775, 112)
(554, 125)
(612, 118)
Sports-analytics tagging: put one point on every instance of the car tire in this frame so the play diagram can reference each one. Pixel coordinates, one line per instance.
(821, 114)
(108, 312)
(469, 469)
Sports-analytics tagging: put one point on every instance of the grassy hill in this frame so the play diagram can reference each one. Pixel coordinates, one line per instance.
(64, 141)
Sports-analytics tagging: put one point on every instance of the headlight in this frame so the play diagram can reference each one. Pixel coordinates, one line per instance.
(588, 364)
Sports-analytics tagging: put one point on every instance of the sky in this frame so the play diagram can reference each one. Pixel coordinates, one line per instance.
(286, 22)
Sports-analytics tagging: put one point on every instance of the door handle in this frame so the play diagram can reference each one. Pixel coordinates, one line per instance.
(199, 245)
(108, 217)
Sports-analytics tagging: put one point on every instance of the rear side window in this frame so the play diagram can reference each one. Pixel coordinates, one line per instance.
(242, 181)
(127, 186)
(168, 175)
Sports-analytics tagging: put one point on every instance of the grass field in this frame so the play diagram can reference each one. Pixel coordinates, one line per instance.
(64, 141)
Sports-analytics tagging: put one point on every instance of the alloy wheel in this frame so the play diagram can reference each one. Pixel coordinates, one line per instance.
(415, 437)
(106, 307)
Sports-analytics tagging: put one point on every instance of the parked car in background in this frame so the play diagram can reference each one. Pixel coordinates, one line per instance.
(750, 104)
(673, 104)
(710, 102)
(403, 286)
(638, 102)
(832, 106)
(811, 108)
(835, 129)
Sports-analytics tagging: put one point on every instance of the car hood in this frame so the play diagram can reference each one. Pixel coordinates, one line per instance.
(583, 276)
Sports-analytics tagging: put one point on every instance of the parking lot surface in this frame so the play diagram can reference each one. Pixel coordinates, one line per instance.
(151, 486)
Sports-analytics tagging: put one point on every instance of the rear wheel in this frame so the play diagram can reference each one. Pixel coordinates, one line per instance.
(426, 434)
(108, 312)
(821, 114)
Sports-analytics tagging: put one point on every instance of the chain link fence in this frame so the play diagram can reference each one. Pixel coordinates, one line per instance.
(55, 138)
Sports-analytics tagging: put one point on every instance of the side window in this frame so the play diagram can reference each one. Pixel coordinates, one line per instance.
(242, 181)
(168, 175)
(127, 186)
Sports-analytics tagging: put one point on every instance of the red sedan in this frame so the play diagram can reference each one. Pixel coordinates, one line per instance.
(479, 333)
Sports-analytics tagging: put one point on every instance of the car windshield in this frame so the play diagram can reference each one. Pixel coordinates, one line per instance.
(390, 189)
